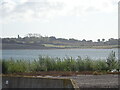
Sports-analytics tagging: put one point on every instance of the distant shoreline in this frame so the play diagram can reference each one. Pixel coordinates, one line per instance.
(49, 47)
(57, 48)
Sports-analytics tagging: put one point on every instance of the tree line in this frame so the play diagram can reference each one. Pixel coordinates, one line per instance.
(37, 39)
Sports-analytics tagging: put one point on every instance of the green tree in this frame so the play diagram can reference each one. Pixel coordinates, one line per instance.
(98, 40)
(103, 40)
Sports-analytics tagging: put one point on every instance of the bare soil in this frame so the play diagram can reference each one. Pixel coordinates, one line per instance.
(62, 73)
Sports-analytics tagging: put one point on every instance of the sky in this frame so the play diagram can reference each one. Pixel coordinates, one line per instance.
(79, 19)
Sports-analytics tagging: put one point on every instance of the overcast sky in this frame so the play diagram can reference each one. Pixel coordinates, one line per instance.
(79, 19)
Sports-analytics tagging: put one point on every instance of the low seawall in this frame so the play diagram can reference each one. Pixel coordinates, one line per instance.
(36, 82)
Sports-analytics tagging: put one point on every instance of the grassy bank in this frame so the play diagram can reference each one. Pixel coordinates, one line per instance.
(81, 47)
(45, 63)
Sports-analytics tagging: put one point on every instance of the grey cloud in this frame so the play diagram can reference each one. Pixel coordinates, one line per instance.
(92, 9)
(49, 8)
(36, 6)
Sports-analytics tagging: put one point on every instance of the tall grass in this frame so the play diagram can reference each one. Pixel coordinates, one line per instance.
(46, 63)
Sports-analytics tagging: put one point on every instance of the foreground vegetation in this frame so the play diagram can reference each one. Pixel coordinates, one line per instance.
(45, 63)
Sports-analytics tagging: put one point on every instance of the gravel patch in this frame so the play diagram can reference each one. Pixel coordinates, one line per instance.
(96, 81)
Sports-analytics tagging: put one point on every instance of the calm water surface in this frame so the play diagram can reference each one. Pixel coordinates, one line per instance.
(34, 54)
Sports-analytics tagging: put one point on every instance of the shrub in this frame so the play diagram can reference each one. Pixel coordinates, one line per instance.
(45, 63)
(111, 61)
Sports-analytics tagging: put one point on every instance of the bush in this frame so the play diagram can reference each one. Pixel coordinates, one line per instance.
(111, 61)
(45, 63)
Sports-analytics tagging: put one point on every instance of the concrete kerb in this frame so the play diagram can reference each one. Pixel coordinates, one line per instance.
(67, 83)
(75, 86)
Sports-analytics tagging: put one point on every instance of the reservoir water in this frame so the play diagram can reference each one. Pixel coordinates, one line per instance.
(61, 53)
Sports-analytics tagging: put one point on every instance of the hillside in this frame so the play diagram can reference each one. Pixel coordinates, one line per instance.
(39, 42)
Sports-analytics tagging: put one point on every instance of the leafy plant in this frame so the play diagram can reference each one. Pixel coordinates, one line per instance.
(111, 61)
(45, 63)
